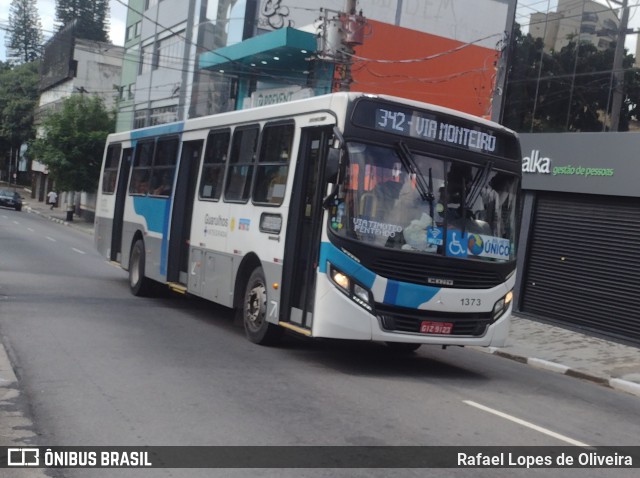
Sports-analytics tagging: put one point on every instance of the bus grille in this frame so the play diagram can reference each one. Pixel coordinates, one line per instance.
(411, 271)
(395, 319)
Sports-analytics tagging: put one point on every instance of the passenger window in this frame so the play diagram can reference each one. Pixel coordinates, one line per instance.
(110, 173)
(215, 159)
(241, 164)
(142, 164)
(164, 166)
(273, 167)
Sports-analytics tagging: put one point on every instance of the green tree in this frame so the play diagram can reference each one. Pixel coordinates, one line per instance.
(72, 142)
(91, 17)
(18, 102)
(24, 41)
(567, 90)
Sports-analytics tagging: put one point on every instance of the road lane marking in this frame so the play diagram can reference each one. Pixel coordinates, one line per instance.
(16, 223)
(50, 239)
(78, 250)
(527, 424)
(31, 230)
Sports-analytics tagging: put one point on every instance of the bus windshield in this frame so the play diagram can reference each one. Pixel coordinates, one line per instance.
(395, 198)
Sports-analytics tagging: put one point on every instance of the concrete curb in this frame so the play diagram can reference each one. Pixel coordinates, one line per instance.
(31, 210)
(621, 385)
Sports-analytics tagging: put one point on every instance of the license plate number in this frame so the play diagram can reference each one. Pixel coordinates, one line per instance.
(429, 327)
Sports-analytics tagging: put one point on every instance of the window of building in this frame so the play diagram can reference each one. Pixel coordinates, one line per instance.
(138, 29)
(215, 159)
(162, 115)
(139, 119)
(170, 52)
(241, 164)
(131, 91)
(150, 4)
(273, 166)
(146, 58)
(110, 173)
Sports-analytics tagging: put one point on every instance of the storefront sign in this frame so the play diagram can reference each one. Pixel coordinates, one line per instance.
(275, 96)
(590, 163)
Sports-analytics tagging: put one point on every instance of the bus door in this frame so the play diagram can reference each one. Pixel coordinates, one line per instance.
(183, 199)
(302, 243)
(121, 195)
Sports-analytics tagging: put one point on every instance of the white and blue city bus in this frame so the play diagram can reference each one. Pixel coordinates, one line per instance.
(349, 216)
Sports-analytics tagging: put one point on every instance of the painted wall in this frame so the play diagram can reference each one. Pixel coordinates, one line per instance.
(458, 75)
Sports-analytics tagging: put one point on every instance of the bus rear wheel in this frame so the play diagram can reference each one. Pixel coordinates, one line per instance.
(139, 284)
(254, 311)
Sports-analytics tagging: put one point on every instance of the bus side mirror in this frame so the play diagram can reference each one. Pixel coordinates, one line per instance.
(333, 165)
(334, 157)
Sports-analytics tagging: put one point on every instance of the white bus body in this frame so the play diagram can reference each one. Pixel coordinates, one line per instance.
(247, 210)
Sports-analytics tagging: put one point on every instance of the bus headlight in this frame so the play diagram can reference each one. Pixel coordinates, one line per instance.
(340, 279)
(358, 293)
(502, 305)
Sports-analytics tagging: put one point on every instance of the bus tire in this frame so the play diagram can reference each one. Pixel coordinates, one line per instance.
(254, 311)
(402, 348)
(139, 284)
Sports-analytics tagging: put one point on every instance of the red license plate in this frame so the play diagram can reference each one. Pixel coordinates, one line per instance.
(429, 327)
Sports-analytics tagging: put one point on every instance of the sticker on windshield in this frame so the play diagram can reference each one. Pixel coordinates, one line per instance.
(456, 243)
(375, 228)
(434, 236)
(489, 246)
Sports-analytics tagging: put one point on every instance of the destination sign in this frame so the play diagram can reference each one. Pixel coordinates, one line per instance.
(431, 126)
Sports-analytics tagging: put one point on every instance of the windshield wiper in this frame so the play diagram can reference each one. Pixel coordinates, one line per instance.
(424, 189)
(477, 184)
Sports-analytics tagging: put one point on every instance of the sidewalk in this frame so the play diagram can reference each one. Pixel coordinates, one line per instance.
(58, 214)
(534, 343)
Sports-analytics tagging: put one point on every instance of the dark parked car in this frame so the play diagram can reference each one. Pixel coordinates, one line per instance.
(10, 199)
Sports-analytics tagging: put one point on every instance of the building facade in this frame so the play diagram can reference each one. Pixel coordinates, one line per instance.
(587, 21)
(198, 57)
(74, 66)
(579, 247)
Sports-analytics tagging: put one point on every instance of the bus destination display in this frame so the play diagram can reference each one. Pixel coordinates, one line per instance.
(420, 125)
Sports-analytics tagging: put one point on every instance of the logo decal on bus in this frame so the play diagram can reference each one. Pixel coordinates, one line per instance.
(213, 223)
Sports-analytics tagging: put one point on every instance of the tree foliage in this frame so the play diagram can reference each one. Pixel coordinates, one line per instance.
(18, 101)
(91, 17)
(72, 142)
(567, 90)
(24, 41)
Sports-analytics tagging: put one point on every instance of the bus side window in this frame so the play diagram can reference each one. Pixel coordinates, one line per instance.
(273, 166)
(215, 158)
(164, 165)
(111, 164)
(142, 165)
(241, 164)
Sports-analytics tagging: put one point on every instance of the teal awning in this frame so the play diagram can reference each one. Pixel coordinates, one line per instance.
(284, 50)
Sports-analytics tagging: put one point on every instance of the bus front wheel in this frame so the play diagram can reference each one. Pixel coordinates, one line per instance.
(139, 284)
(254, 311)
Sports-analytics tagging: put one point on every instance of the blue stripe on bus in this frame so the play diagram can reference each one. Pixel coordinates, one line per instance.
(152, 132)
(156, 214)
(329, 252)
(402, 294)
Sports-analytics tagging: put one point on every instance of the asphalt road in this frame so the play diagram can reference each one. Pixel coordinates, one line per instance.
(98, 366)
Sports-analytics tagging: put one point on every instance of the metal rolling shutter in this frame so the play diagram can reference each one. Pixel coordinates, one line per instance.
(583, 267)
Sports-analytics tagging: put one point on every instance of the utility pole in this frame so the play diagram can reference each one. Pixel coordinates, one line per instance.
(347, 50)
(618, 72)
